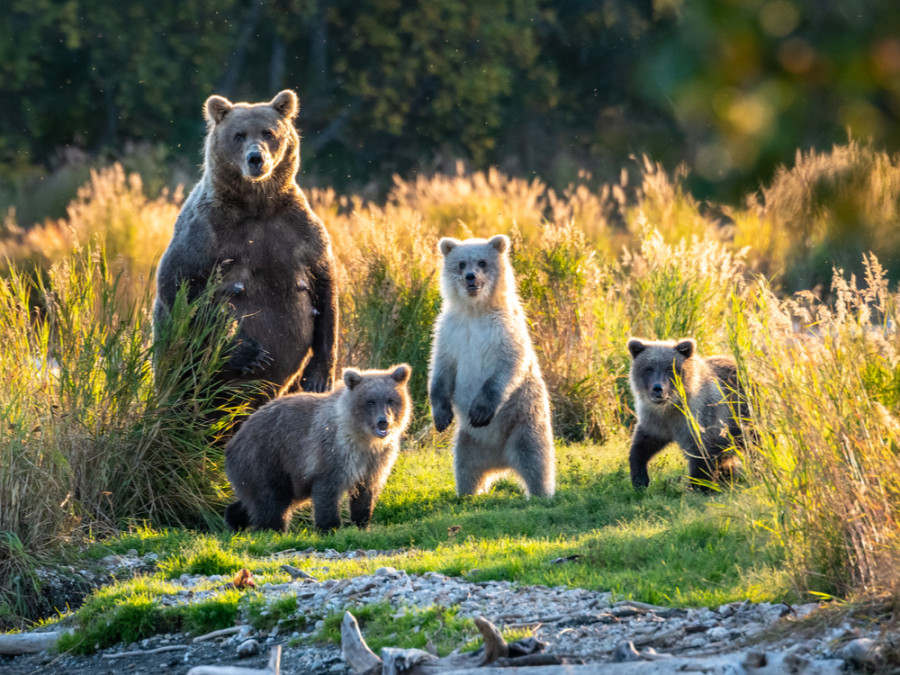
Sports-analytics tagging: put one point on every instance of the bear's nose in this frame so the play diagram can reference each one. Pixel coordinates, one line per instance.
(470, 276)
(255, 159)
(657, 388)
(382, 423)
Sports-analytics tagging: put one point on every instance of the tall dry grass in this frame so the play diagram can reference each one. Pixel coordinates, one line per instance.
(112, 211)
(89, 439)
(826, 402)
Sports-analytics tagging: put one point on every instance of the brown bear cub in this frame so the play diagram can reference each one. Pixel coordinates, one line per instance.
(712, 396)
(248, 225)
(485, 373)
(317, 447)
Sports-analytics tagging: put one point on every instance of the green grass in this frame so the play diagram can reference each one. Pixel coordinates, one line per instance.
(94, 444)
(411, 628)
(667, 545)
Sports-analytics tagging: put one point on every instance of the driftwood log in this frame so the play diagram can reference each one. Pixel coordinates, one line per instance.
(28, 643)
(495, 652)
(274, 667)
(526, 657)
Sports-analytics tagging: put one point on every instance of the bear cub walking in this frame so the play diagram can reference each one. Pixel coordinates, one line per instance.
(319, 446)
(485, 373)
(712, 396)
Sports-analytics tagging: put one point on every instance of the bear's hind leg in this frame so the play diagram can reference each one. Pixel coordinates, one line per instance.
(271, 507)
(531, 454)
(236, 516)
(474, 464)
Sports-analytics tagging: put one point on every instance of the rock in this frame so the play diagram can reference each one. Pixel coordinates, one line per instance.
(248, 648)
(386, 572)
(625, 651)
(718, 633)
(861, 652)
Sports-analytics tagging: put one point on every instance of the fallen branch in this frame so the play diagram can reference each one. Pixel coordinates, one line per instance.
(28, 643)
(396, 661)
(274, 667)
(355, 651)
(142, 652)
(217, 633)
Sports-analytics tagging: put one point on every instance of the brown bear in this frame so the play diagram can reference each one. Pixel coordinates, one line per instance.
(249, 224)
(485, 373)
(317, 447)
(712, 395)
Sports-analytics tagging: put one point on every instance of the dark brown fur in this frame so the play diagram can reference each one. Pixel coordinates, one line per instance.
(711, 394)
(249, 221)
(318, 447)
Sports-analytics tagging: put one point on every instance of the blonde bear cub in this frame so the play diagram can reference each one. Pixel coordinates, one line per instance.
(485, 374)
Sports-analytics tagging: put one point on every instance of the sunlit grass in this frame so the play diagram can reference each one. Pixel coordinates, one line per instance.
(93, 444)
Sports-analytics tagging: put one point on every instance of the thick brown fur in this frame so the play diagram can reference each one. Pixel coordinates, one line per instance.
(485, 374)
(249, 224)
(318, 447)
(711, 394)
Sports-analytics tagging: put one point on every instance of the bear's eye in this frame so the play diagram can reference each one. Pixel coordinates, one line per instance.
(268, 135)
(371, 404)
(649, 371)
(462, 266)
(390, 401)
(482, 264)
(240, 137)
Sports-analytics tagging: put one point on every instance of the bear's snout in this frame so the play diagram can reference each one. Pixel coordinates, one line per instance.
(382, 426)
(658, 393)
(256, 164)
(255, 159)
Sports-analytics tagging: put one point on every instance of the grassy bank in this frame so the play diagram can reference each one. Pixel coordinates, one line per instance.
(92, 444)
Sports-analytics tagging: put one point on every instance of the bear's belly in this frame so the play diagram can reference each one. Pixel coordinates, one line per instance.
(475, 344)
(269, 290)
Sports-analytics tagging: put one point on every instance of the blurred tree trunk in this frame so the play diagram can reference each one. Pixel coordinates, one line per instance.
(235, 64)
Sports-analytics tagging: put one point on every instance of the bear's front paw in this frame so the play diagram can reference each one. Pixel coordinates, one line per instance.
(442, 417)
(249, 357)
(315, 382)
(481, 414)
(640, 479)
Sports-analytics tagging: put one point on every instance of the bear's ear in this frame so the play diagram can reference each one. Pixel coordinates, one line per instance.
(635, 347)
(216, 108)
(447, 244)
(686, 348)
(352, 378)
(286, 104)
(401, 373)
(500, 242)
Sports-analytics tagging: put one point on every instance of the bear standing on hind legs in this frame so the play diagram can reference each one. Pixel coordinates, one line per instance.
(248, 223)
(484, 372)
(711, 395)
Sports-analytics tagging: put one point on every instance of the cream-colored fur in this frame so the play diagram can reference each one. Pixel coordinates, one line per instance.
(485, 374)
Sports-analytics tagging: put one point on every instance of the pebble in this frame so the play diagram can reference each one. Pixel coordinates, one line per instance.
(248, 648)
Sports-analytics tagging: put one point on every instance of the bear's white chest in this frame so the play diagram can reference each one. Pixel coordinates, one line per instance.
(474, 344)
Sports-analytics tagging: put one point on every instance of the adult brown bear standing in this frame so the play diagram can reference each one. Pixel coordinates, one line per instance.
(248, 223)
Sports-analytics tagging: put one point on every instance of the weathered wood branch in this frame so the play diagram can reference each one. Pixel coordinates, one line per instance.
(28, 643)
(217, 633)
(274, 667)
(143, 652)
(396, 661)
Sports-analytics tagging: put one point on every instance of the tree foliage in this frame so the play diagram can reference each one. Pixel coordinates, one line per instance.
(401, 85)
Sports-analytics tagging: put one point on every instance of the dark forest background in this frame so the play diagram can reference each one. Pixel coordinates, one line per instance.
(731, 88)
